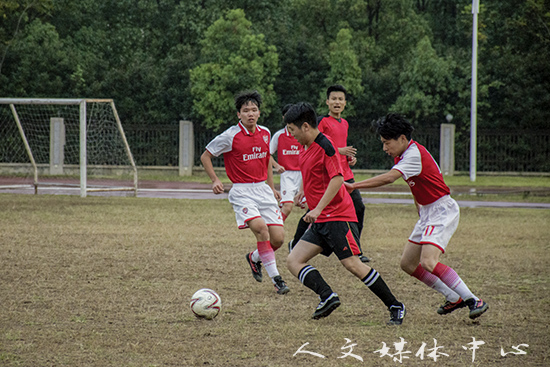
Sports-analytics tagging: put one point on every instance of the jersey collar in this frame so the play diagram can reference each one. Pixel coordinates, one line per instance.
(245, 130)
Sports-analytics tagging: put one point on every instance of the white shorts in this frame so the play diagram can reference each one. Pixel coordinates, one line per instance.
(437, 224)
(254, 200)
(291, 181)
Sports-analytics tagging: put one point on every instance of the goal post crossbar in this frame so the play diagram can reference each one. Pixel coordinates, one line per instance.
(82, 103)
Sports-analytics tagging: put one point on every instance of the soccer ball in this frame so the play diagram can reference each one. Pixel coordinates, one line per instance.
(206, 304)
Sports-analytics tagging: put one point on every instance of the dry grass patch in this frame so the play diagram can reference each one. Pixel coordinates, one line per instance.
(107, 282)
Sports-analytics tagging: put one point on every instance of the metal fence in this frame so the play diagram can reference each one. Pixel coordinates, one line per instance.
(498, 151)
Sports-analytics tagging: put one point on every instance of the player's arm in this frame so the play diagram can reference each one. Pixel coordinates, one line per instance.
(332, 189)
(206, 160)
(347, 151)
(269, 181)
(377, 181)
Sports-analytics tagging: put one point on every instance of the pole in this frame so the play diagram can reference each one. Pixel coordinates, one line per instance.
(473, 112)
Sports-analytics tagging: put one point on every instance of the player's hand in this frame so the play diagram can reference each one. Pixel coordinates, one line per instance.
(312, 216)
(349, 186)
(277, 195)
(352, 161)
(349, 151)
(280, 169)
(217, 187)
(298, 199)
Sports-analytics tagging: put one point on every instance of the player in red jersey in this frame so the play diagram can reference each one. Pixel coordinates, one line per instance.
(332, 216)
(439, 214)
(336, 127)
(245, 149)
(287, 149)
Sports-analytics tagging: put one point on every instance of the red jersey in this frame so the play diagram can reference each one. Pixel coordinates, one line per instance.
(337, 130)
(319, 163)
(246, 155)
(421, 172)
(287, 149)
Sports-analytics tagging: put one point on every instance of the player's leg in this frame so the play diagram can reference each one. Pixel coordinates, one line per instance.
(286, 209)
(343, 239)
(360, 213)
(441, 221)
(297, 264)
(265, 251)
(410, 263)
(430, 261)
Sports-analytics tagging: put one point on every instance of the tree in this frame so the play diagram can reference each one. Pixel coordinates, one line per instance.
(233, 59)
(344, 68)
(426, 82)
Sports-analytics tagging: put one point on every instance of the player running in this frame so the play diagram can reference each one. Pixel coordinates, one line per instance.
(439, 214)
(245, 149)
(334, 223)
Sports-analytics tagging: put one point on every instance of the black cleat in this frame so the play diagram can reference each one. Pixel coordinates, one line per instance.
(449, 306)
(477, 308)
(256, 267)
(280, 285)
(326, 307)
(397, 314)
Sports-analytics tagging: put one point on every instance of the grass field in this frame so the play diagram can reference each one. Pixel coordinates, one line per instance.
(106, 282)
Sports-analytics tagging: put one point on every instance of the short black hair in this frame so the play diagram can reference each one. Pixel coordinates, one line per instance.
(299, 113)
(247, 96)
(336, 88)
(392, 126)
(285, 109)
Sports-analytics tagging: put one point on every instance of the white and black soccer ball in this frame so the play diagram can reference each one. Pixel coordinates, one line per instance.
(206, 304)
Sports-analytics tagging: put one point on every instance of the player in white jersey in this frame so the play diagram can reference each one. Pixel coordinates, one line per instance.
(287, 149)
(439, 214)
(245, 149)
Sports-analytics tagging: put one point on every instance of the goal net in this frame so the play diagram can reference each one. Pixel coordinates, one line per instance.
(75, 143)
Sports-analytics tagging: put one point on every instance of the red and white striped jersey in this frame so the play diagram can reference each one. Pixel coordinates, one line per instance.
(421, 172)
(287, 148)
(246, 155)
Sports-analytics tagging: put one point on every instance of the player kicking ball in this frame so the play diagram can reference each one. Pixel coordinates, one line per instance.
(332, 216)
(439, 214)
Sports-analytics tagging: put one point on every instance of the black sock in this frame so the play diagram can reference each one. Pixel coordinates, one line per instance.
(376, 284)
(311, 278)
(300, 230)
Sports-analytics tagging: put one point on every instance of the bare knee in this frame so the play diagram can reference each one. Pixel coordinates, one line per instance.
(408, 266)
(428, 264)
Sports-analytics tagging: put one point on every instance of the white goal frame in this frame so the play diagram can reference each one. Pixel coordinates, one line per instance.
(82, 103)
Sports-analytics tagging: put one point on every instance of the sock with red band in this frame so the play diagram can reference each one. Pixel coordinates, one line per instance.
(453, 281)
(267, 256)
(435, 283)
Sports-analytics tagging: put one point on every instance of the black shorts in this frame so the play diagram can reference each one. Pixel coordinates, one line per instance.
(342, 238)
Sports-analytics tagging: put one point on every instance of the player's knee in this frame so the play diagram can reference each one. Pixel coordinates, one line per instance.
(428, 264)
(407, 266)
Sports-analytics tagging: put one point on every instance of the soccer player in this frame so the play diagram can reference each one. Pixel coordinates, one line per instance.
(245, 149)
(336, 127)
(287, 149)
(332, 216)
(439, 214)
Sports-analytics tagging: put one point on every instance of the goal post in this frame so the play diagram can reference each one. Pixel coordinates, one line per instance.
(67, 142)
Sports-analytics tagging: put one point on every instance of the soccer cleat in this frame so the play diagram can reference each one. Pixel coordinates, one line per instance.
(280, 285)
(449, 306)
(256, 267)
(397, 314)
(364, 259)
(326, 307)
(477, 308)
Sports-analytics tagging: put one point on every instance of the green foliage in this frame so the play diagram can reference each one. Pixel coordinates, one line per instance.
(233, 59)
(344, 68)
(414, 56)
